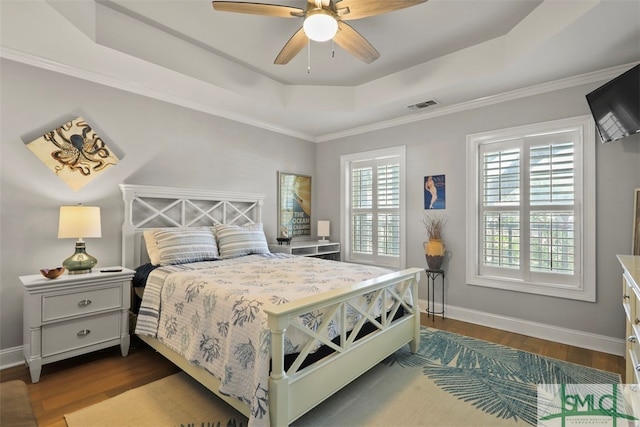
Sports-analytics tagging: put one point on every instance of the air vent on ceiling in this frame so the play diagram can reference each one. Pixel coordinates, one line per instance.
(423, 104)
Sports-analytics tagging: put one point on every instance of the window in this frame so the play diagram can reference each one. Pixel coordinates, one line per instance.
(373, 218)
(531, 208)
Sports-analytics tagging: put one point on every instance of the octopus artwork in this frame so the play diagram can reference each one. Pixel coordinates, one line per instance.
(74, 152)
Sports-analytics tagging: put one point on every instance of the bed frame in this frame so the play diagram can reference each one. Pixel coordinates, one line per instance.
(293, 391)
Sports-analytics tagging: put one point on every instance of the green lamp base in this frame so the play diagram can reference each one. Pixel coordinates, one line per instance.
(80, 262)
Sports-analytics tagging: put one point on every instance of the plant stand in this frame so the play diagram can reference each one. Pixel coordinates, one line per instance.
(432, 275)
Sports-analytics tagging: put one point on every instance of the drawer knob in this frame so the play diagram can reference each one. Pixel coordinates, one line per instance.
(84, 303)
(636, 320)
(632, 338)
(625, 297)
(85, 332)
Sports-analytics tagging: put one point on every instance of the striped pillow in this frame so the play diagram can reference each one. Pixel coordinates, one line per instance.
(152, 246)
(182, 246)
(235, 241)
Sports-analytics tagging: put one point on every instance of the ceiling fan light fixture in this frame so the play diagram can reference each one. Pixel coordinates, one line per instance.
(320, 25)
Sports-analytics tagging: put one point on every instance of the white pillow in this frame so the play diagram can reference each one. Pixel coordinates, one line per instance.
(177, 246)
(240, 240)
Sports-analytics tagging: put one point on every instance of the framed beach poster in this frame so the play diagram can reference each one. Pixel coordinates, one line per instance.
(294, 205)
(635, 246)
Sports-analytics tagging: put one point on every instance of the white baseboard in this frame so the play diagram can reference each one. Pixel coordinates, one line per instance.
(572, 337)
(11, 357)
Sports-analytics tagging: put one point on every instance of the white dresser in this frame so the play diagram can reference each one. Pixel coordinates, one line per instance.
(631, 304)
(75, 314)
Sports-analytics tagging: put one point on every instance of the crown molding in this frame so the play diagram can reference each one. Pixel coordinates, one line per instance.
(57, 67)
(596, 76)
(137, 88)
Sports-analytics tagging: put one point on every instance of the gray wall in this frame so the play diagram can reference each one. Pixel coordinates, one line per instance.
(158, 143)
(164, 144)
(437, 146)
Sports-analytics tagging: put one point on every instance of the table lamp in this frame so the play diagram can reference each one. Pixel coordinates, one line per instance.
(324, 231)
(79, 222)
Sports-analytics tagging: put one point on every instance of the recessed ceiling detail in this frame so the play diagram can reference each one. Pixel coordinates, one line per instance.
(462, 53)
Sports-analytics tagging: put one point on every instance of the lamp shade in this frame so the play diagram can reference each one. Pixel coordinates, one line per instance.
(324, 228)
(320, 25)
(79, 222)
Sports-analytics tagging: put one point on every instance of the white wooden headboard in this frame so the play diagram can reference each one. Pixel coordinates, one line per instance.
(147, 206)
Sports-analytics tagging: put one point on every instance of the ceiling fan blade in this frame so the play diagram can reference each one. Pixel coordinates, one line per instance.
(356, 9)
(351, 41)
(295, 44)
(258, 9)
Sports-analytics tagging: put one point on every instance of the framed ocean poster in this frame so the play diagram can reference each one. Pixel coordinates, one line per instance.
(434, 192)
(294, 205)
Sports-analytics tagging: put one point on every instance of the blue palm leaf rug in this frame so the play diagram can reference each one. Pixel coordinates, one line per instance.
(452, 380)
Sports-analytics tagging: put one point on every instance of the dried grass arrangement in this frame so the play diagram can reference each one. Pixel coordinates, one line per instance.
(434, 224)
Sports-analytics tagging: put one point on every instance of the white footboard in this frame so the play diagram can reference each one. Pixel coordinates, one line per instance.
(295, 391)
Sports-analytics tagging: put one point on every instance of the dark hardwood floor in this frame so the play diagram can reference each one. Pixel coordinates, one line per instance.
(69, 385)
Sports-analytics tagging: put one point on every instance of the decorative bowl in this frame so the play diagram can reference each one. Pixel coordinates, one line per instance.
(52, 273)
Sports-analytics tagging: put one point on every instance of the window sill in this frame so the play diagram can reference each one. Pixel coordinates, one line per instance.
(556, 291)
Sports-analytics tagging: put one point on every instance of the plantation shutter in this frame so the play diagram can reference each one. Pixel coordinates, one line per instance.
(552, 239)
(374, 211)
(527, 208)
(362, 209)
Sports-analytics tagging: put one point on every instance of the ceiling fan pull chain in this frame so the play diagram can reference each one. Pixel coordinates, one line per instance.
(333, 52)
(309, 57)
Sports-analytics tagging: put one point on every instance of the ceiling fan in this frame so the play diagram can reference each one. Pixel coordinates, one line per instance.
(323, 20)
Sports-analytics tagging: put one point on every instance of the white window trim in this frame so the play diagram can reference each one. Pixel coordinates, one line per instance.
(585, 166)
(345, 236)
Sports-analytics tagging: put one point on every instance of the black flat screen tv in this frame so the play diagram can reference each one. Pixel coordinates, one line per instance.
(616, 106)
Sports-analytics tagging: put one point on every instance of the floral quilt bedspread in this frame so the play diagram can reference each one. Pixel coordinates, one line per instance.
(212, 313)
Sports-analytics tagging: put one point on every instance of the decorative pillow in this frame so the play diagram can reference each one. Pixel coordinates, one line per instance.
(236, 240)
(152, 247)
(188, 245)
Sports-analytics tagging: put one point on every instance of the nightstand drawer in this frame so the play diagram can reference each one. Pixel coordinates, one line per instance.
(61, 306)
(67, 336)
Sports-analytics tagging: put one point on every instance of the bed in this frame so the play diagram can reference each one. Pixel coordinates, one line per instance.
(359, 315)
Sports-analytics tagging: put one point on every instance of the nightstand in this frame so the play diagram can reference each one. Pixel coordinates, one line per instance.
(75, 314)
